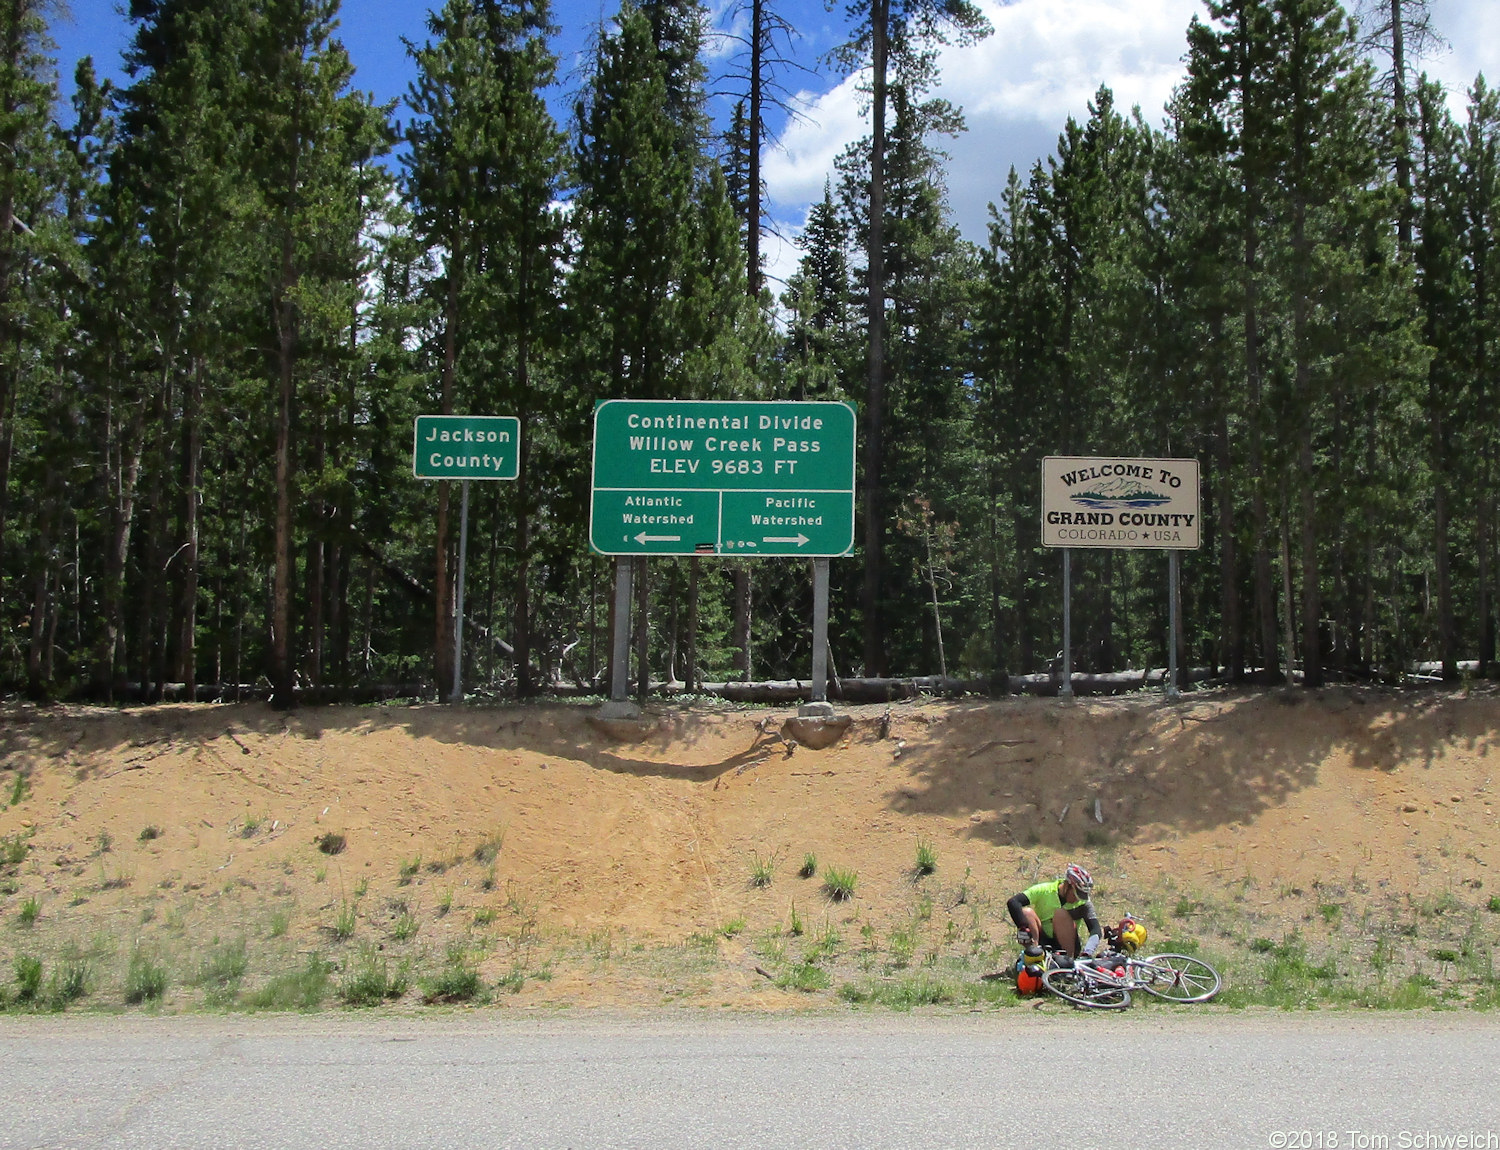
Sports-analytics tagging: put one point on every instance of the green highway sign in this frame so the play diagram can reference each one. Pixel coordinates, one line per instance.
(722, 477)
(466, 447)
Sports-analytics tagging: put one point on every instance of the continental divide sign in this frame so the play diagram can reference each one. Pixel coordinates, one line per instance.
(1094, 502)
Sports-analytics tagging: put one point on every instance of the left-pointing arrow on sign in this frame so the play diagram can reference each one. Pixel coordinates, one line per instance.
(799, 539)
(644, 538)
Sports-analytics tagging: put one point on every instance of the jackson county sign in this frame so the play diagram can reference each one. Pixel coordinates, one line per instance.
(1151, 503)
(466, 447)
(722, 477)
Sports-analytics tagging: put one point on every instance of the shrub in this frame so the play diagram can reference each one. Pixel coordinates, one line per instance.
(331, 842)
(148, 833)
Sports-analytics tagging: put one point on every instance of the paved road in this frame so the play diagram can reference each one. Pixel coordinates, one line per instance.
(495, 1079)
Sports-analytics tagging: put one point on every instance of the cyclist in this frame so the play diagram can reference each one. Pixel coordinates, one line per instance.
(1049, 912)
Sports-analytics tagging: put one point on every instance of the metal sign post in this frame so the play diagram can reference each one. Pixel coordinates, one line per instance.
(1126, 504)
(820, 631)
(1067, 667)
(619, 667)
(465, 447)
(1172, 592)
(458, 606)
(722, 477)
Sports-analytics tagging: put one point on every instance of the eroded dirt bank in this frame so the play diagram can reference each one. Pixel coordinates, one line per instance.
(1279, 833)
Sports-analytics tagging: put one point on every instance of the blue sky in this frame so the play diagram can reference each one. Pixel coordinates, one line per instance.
(1045, 61)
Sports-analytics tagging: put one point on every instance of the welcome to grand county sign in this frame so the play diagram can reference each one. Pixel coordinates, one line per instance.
(1106, 502)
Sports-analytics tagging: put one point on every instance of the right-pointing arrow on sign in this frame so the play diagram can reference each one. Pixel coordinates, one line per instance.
(644, 538)
(799, 539)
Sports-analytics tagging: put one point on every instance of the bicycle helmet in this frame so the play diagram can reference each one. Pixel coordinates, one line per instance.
(1080, 879)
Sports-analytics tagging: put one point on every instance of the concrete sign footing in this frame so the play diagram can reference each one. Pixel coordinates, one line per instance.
(623, 721)
(816, 731)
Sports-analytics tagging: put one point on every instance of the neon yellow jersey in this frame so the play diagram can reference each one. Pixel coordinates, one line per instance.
(1045, 901)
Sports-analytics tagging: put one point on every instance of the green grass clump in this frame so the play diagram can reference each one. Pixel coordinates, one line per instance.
(303, 989)
(1494, 904)
(839, 883)
(145, 978)
(28, 977)
(343, 924)
(148, 833)
(69, 983)
(903, 995)
(13, 850)
(331, 842)
(762, 870)
(26, 916)
(20, 788)
(804, 976)
(221, 970)
(484, 916)
(408, 870)
(405, 927)
(733, 927)
(371, 982)
(489, 850)
(926, 858)
(809, 866)
(458, 981)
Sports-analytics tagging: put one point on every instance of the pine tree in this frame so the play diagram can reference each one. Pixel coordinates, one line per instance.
(310, 134)
(34, 242)
(484, 169)
(899, 37)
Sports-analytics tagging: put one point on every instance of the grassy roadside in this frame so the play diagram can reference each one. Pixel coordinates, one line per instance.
(452, 930)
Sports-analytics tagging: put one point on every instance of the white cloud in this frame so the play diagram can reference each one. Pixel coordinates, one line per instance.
(1045, 61)
(1472, 29)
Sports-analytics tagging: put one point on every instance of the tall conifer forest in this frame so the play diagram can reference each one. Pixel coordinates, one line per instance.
(230, 282)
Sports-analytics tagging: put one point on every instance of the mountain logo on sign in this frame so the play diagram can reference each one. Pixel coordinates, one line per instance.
(1117, 493)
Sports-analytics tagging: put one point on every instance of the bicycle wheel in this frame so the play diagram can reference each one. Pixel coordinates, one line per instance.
(1177, 978)
(1073, 986)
